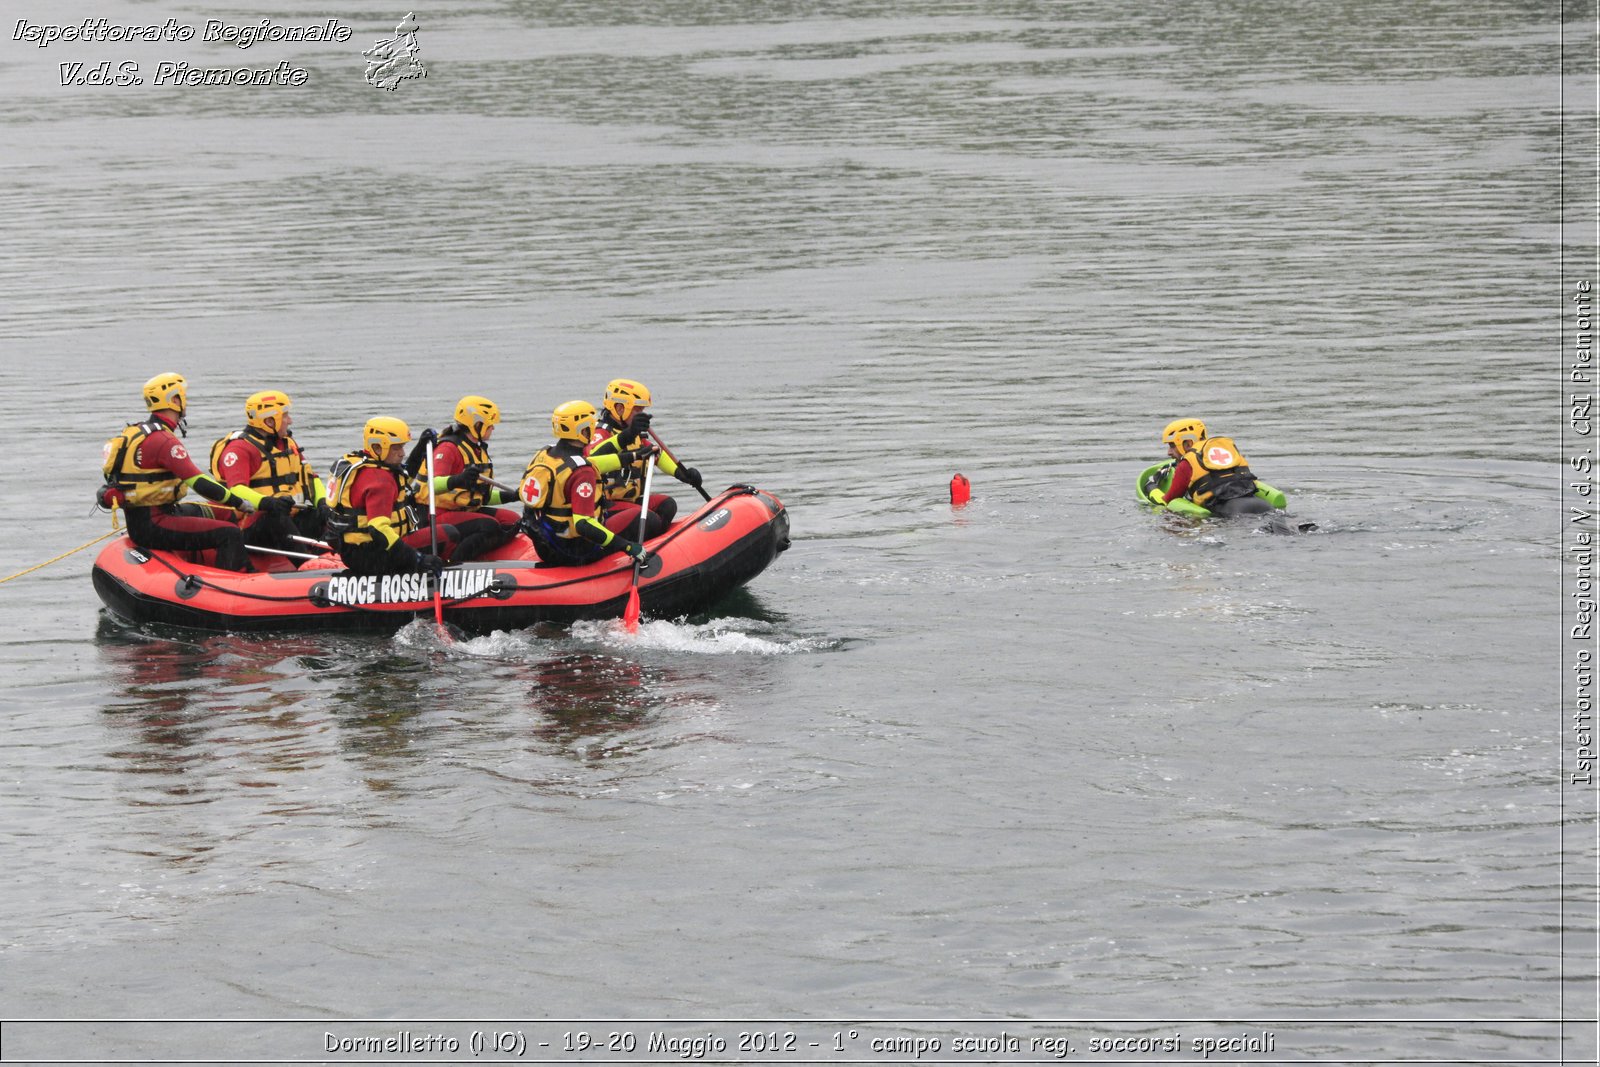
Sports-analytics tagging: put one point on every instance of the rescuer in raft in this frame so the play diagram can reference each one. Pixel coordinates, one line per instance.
(370, 522)
(461, 464)
(1211, 471)
(623, 430)
(264, 456)
(562, 499)
(147, 470)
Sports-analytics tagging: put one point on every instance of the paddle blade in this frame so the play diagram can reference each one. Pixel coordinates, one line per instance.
(438, 616)
(630, 614)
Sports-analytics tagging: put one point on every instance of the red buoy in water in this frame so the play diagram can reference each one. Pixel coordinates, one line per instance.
(960, 491)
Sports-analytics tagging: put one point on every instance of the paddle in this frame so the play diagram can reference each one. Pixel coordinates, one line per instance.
(663, 446)
(630, 614)
(433, 543)
(279, 552)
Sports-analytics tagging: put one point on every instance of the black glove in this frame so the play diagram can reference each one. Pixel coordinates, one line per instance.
(419, 452)
(432, 564)
(635, 455)
(467, 478)
(323, 511)
(640, 423)
(636, 552)
(277, 506)
(689, 476)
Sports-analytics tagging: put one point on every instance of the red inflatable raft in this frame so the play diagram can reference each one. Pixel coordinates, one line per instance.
(702, 558)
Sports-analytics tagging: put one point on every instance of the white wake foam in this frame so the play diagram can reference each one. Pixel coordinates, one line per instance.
(719, 637)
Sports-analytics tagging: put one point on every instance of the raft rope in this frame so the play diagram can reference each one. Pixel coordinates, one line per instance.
(63, 555)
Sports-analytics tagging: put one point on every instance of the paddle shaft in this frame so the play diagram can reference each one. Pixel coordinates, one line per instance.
(630, 611)
(280, 552)
(644, 509)
(663, 446)
(433, 540)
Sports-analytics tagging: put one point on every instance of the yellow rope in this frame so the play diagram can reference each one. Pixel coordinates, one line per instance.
(63, 555)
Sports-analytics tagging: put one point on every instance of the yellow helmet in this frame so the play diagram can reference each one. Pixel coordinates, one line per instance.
(267, 404)
(624, 396)
(477, 414)
(382, 433)
(167, 392)
(574, 421)
(1180, 430)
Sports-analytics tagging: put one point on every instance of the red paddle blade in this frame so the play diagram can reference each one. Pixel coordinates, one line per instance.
(630, 614)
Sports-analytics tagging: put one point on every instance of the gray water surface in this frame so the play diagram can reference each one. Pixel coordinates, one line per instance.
(1048, 757)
